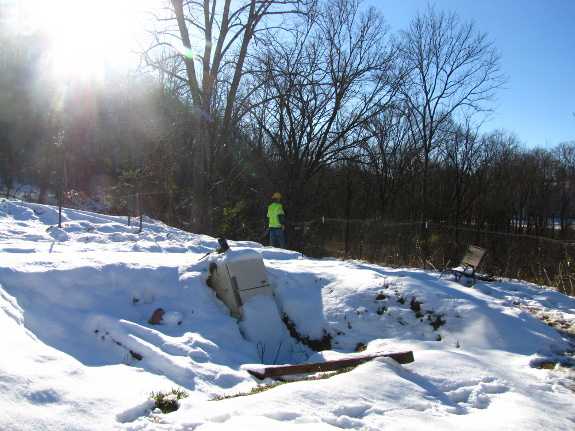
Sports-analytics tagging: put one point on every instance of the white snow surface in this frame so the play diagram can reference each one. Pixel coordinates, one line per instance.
(77, 351)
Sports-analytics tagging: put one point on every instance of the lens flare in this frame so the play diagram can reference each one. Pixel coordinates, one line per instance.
(186, 52)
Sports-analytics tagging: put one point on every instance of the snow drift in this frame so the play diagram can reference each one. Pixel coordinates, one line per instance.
(78, 351)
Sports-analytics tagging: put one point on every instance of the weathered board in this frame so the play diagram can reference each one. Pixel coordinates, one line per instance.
(317, 367)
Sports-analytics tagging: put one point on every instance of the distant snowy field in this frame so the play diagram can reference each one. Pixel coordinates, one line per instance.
(78, 353)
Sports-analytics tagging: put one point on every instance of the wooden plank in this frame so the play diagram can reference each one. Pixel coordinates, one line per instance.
(317, 367)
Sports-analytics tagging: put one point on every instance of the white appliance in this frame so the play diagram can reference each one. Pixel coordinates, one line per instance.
(236, 281)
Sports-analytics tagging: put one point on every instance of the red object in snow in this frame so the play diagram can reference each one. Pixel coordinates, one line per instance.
(157, 317)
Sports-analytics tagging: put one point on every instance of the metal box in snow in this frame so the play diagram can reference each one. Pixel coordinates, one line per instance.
(238, 275)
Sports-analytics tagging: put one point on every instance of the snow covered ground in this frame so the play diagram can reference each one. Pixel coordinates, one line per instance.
(77, 351)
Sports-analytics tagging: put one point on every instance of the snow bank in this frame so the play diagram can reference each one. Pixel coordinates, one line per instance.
(78, 351)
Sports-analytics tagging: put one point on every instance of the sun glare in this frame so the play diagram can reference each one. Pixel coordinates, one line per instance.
(85, 36)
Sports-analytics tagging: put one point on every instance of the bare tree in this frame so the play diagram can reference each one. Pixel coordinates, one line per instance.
(389, 158)
(459, 186)
(502, 190)
(565, 183)
(453, 70)
(212, 40)
(322, 88)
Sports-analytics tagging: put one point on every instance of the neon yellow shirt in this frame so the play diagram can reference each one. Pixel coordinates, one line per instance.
(275, 210)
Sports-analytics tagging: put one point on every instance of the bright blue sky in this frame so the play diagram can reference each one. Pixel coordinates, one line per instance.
(536, 39)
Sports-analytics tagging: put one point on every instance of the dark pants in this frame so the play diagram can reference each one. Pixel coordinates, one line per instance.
(276, 233)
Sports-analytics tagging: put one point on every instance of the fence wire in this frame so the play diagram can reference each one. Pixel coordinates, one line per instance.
(430, 245)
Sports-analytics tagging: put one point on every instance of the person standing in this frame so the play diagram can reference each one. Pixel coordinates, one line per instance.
(276, 221)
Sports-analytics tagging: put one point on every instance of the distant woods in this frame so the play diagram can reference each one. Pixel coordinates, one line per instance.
(315, 99)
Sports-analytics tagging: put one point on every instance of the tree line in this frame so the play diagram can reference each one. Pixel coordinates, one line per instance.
(317, 99)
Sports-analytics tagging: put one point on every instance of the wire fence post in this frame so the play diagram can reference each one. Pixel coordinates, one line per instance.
(139, 205)
(346, 238)
(129, 208)
(426, 256)
(321, 235)
(60, 197)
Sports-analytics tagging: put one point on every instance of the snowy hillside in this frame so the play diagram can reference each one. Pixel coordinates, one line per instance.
(78, 351)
